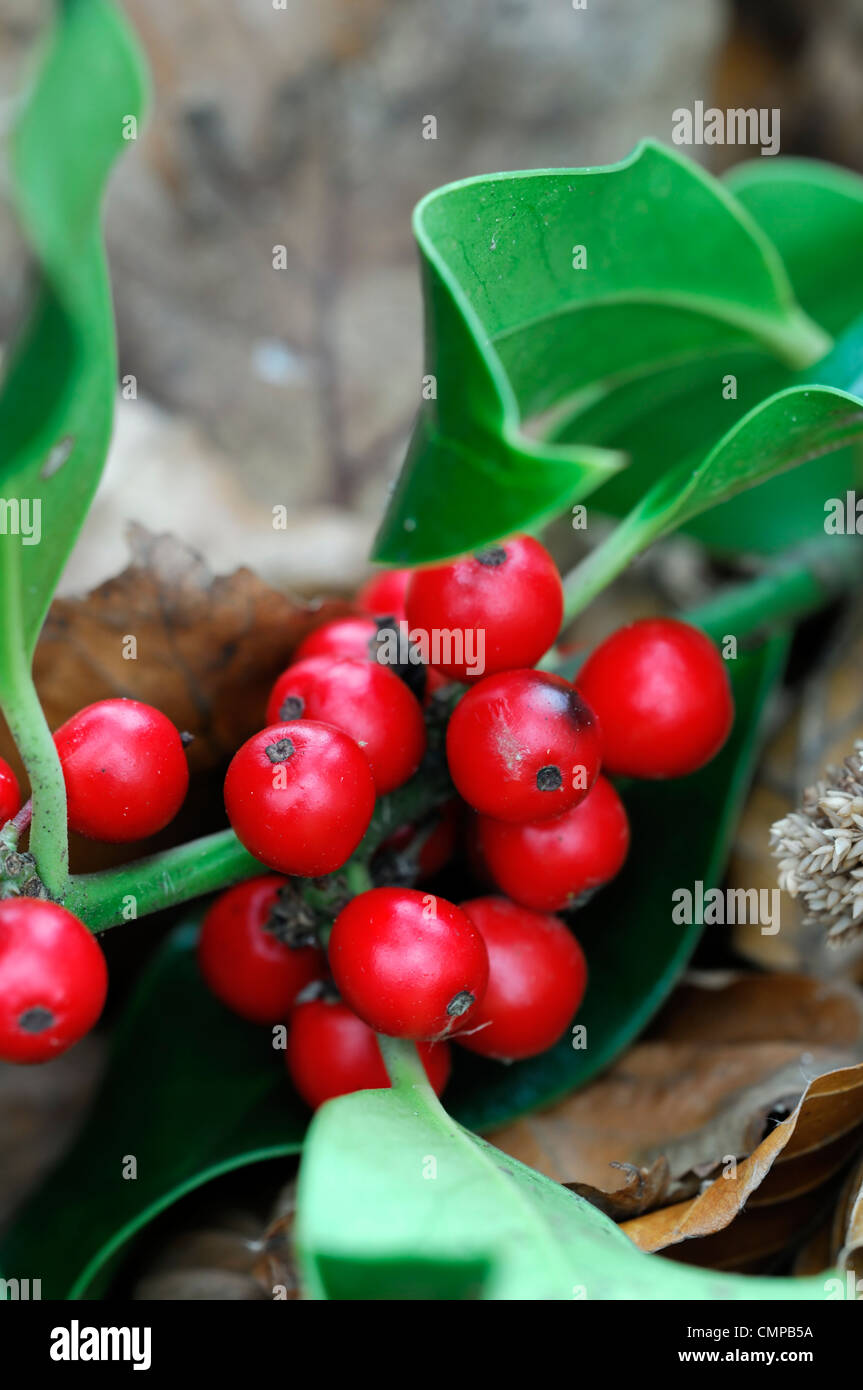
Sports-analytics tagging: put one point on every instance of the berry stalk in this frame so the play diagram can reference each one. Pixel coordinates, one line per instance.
(217, 861)
(785, 592)
(405, 1069)
(49, 841)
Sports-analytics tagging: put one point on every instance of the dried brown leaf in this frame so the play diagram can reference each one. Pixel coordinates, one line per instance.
(828, 1117)
(208, 647)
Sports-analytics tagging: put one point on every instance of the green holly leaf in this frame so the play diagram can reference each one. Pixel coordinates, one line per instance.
(795, 426)
(57, 398)
(813, 215)
(544, 292)
(397, 1201)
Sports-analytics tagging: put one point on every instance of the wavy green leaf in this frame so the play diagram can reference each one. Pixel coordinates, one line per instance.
(813, 215)
(397, 1201)
(57, 399)
(675, 268)
(795, 426)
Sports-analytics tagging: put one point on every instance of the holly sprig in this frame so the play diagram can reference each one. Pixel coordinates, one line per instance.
(527, 339)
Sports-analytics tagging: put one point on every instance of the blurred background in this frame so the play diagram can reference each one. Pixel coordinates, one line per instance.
(302, 127)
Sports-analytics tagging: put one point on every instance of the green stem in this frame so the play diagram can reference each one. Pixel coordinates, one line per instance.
(790, 590)
(162, 880)
(216, 861)
(49, 840)
(785, 593)
(404, 1066)
(600, 567)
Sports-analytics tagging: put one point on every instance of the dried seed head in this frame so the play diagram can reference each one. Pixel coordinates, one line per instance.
(820, 851)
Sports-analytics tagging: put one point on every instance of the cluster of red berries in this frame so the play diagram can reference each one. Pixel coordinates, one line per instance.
(500, 975)
(126, 775)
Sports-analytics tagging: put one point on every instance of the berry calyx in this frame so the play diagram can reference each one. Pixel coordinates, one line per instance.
(242, 958)
(125, 770)
(410, 964)
(53, 980)
(663, 698)
(509, 598)
(383, 594)
(523, 746)
(10, 795)
(551, 865)
(331, 1052)
(537, 976)
(364, 700)
(299, 796)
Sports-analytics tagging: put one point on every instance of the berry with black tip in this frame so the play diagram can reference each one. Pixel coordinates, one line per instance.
(53, 980)
(299, 796)
(364, 700)
(508, 597)
(410, 964)
(523, 746)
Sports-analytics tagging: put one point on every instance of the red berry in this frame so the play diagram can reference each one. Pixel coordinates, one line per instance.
(523, 746)
(331, 1052)
(409, 963)
(551, 865)
(10, 795)
(509, 597)
(53, 980)
(537, 976)
(363, 699)
(300, 796)
(662, 695)
(384, 594)
(125, 770)
(352, 636)
(243, 960)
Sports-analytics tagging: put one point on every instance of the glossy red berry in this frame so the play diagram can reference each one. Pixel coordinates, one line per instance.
(523, 746)
(331, 1052)
(551, 865)
(53, 980)
(364, 700)
(384, 594)
(663, 698)
(242, 958)
(508, 597)
(537, 976)
(409, 963)
(352, 636)
(300, 796)
(10, 795)
(125, 770)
